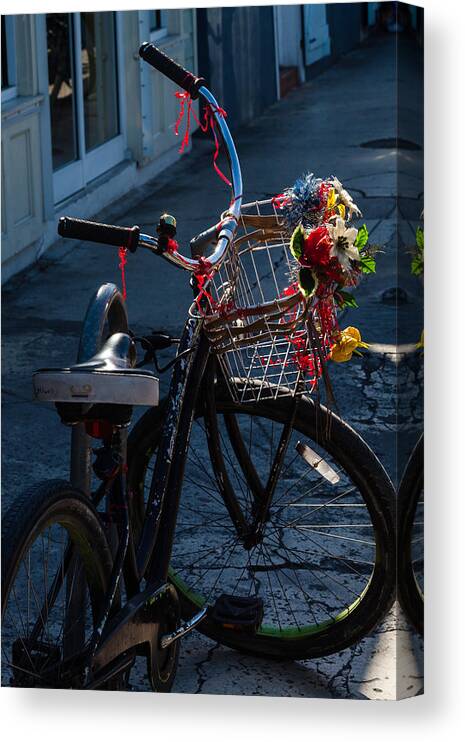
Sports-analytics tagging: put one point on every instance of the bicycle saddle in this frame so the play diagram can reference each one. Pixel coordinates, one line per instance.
(106, 378)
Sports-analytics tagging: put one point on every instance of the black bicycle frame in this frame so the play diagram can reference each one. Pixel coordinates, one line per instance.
(160, 521)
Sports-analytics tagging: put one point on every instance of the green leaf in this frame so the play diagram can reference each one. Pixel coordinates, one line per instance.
(345, 299)
(417, 266)
(307, 282)
(368, 264)
(297, 242)
(362, 237)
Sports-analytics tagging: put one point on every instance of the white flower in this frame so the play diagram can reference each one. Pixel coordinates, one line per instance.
(343, 239)
(346, 199)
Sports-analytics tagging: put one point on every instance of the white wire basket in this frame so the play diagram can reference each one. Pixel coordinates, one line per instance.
(266, 335)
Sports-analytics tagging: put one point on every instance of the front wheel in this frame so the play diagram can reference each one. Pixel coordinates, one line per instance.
(324, 568)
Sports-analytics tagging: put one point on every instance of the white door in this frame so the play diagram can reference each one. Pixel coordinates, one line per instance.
(288, 20)
(84, 97)
(316, 33)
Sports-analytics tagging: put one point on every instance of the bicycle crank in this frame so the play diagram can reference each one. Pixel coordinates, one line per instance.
(137, 629)
(183, 629)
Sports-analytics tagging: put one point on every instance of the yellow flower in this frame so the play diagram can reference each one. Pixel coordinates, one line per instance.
(331, 202)
(347, 343)
(342, 210)
(421, 343)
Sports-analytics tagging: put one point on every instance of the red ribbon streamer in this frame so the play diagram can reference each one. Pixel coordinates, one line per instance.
(280, 200)
(183, 99)
(208, 123)
(122, 264)
(203, 275)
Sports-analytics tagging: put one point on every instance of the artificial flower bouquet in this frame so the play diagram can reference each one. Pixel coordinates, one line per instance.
(331, 255)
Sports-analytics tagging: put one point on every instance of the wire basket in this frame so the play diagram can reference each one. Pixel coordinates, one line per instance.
(266, 335)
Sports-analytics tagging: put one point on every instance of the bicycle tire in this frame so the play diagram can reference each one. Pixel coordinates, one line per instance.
(364, 467)
(410, 491)
(48, 505)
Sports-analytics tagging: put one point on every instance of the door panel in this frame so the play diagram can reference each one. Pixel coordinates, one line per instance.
(316, 33)
(61, 88)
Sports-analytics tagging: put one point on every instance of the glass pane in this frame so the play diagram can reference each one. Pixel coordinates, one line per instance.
(61, 88)
(155, 20)
(99, 78)
(5, 82)
(8, 52)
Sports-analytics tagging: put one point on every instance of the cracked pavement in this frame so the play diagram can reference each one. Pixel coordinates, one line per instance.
(318, 127)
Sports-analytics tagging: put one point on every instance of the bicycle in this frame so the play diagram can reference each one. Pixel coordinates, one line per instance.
(97, 588)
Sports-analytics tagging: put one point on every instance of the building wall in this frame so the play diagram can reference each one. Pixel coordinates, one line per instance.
(22, 188)
(237, 57)
(331, 29)
(32, 198)
(344, 21)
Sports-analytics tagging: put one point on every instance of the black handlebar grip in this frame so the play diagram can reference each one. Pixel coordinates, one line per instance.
(203, 240)
(106, 234)
(171, 69)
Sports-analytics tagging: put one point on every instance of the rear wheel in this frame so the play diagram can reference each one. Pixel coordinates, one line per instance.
(325, 567)
(52, 541)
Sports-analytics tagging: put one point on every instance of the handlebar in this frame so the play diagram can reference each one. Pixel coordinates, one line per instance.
(171, 69)
(130, 237)
(105, 234)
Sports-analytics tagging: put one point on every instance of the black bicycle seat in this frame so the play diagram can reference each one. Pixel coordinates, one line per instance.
(117, 354)
(106, 378)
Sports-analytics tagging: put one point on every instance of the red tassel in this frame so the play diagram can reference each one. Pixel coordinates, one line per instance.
(183, 99)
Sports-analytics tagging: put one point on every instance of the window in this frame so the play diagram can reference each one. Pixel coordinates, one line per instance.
(84, 98)
(157, 24)
(99, 78)
(61, 88)
(8, 57)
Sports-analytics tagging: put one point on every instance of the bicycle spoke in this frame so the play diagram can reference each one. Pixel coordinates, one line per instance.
(305, 565)
(332, 535)
(329, 554)
(331, 502)
(284, 592)
(307, 598)
(225, 453)
(273, 598)
(22, 640)
(36, 600)
(204, 572)
(226, 563)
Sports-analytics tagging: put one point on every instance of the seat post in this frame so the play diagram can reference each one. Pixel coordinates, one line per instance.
(80, 464)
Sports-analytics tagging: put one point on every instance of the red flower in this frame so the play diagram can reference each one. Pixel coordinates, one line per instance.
(317, 246)
(333, 271)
